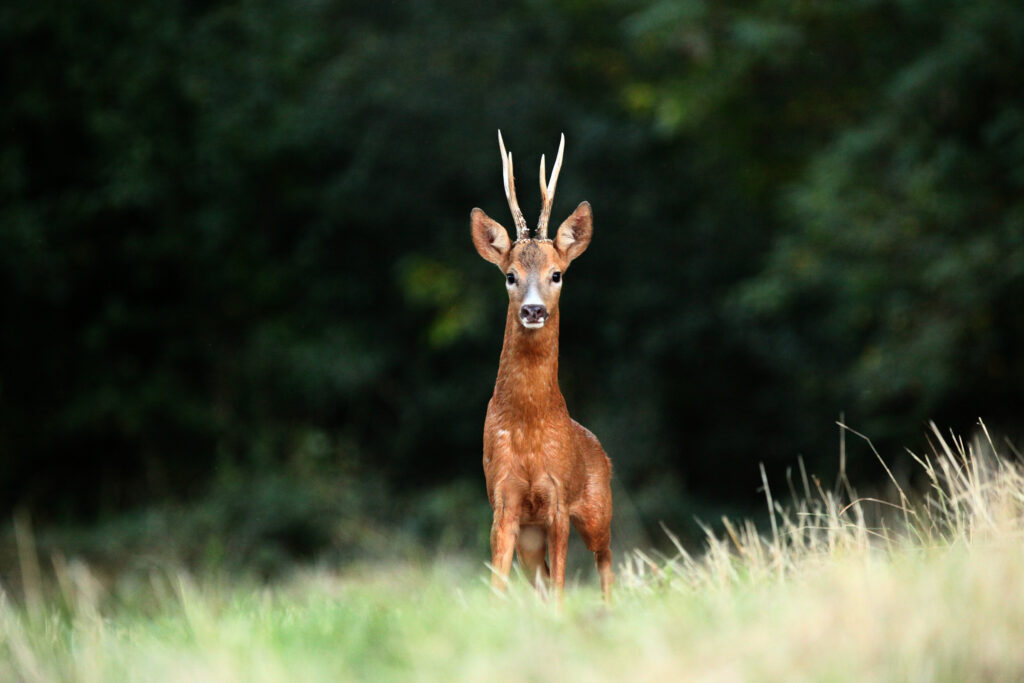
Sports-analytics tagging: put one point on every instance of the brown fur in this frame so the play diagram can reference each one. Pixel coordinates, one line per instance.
(544, 471)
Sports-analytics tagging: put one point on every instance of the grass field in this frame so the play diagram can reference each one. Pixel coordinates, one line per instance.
(920, 587)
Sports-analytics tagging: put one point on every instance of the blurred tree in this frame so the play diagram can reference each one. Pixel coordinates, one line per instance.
(227, 227)
(901, 275)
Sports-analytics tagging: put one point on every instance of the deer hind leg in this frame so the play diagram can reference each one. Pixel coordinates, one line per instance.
(596, 534)
(504, 532)
(603, 558)
(531, 547)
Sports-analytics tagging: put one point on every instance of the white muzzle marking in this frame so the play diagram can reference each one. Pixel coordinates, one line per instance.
(532, 298)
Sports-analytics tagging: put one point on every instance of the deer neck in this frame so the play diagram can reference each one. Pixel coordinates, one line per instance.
(528, 369)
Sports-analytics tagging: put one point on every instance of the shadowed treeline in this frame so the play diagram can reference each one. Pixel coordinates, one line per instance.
(234, 245)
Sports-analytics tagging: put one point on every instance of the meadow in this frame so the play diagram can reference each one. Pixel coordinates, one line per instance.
(920, 585)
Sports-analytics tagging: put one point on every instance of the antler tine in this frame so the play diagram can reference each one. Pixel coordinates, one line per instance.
(547, 190)
(522, 232)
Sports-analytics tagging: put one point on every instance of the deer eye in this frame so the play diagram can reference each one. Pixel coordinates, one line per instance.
(556, 276)
(511, 277)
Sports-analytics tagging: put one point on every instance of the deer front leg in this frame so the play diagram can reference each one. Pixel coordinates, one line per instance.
(558, 547)
(504, 532)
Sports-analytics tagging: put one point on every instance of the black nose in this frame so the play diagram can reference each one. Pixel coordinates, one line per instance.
(534, 313)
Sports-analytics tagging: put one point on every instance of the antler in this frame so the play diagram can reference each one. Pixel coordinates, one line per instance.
(547, 190)
(522, 232)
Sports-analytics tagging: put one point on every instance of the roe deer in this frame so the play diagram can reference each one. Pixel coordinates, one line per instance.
(543, 469)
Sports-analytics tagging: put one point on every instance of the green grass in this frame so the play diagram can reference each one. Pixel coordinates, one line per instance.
(836, 590)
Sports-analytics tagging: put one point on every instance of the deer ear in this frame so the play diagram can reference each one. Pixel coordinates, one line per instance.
(573, 236)
(489, 238)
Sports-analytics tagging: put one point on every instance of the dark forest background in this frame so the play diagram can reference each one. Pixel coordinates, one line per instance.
(242, 317)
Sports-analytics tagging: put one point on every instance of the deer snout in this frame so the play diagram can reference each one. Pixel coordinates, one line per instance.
(533, 314)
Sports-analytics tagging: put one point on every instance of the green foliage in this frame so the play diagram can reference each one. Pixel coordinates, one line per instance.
(900, 274)
(225, 228)
(259, 524)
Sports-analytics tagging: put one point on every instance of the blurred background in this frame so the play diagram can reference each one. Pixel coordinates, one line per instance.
(243, 323)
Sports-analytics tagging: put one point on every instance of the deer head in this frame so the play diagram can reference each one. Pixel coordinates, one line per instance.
(533, 267)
